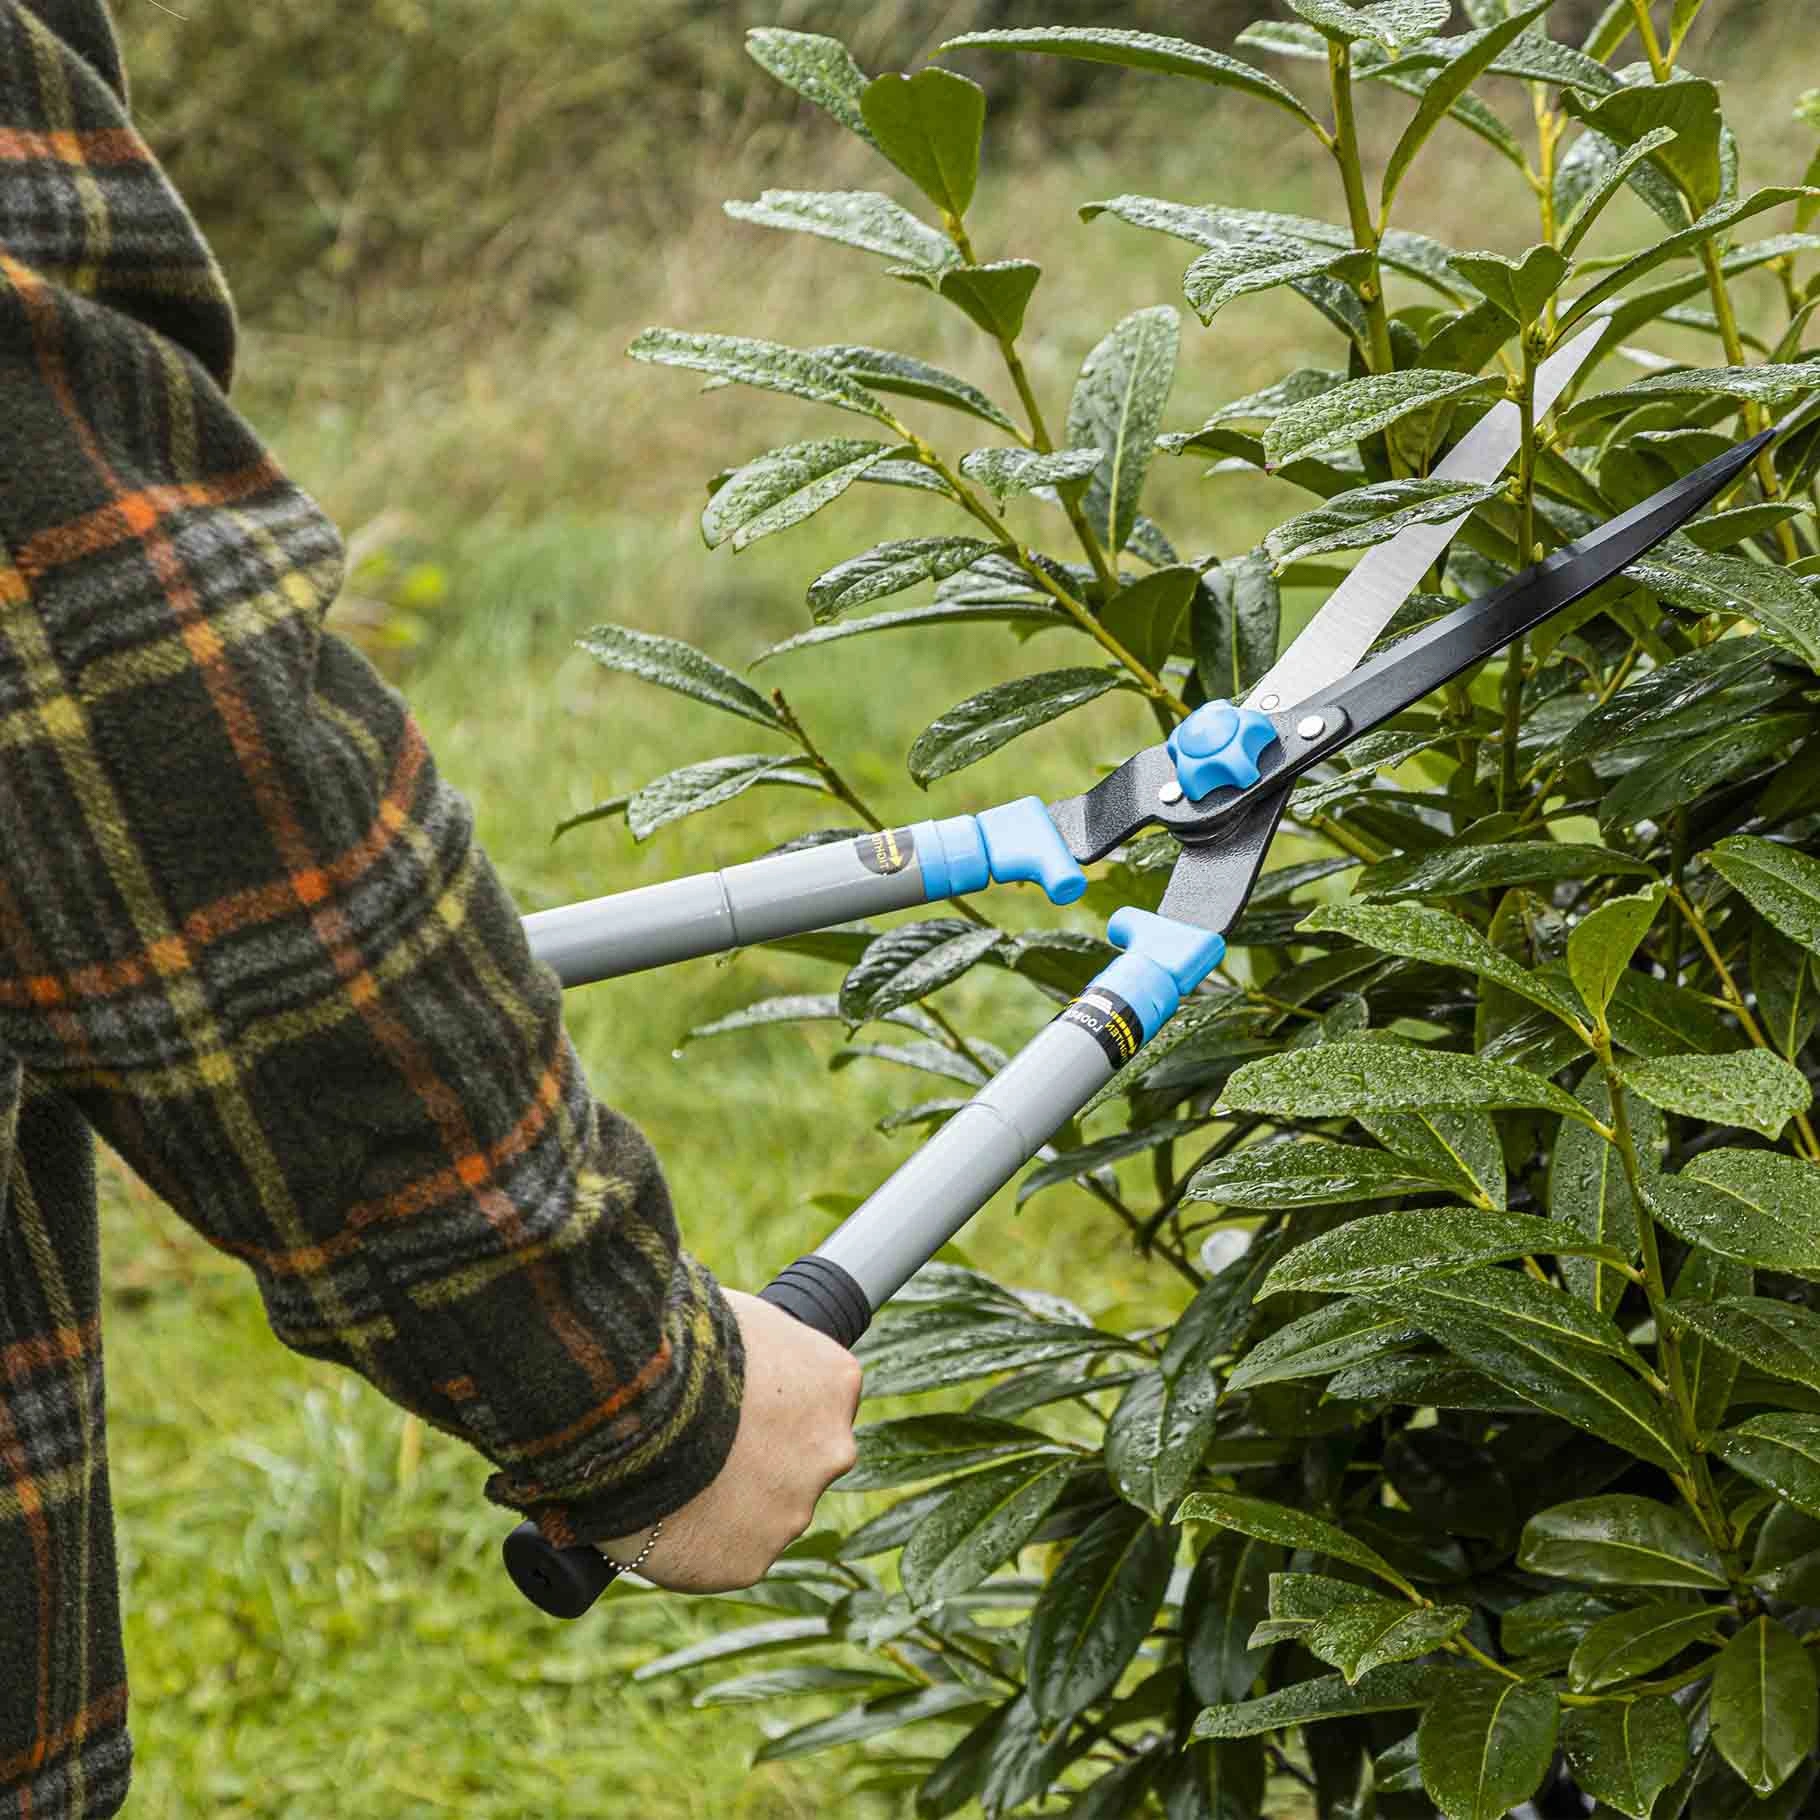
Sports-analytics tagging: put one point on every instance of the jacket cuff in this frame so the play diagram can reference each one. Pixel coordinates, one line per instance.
(666, 1449)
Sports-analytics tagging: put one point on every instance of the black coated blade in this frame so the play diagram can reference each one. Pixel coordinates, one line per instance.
(1388, 684)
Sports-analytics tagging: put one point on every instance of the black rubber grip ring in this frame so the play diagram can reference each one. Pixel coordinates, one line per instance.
(821, 1295)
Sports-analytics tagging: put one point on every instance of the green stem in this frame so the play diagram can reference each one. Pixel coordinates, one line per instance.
(1697, 1487)
(825, 769)
(1358, 208)
(1526, 508)
(1147, 679)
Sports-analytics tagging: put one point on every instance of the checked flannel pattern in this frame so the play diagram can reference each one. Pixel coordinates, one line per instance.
(246, 936)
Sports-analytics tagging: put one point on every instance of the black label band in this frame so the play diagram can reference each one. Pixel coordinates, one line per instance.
(889, 850)
(1110, 1021)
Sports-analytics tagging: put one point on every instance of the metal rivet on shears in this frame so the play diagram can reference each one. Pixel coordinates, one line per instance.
(1271, 701)
(1311, 726)
(1171, 792)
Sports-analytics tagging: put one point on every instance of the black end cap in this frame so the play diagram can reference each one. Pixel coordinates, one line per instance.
(821, 1295)
(562, 1581)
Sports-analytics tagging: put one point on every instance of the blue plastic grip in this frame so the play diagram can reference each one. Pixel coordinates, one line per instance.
(1016, 841)
(1218, 745)
(1023, 843)
(1163, 961)
(953, 857)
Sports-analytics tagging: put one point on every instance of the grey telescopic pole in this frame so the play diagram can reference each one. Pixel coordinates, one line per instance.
(838, 1287)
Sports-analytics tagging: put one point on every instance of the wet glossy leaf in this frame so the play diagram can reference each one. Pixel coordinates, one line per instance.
(1381, 1250)
(1373, 515)
(889, 568)
(1770, 385)
(1661, 693)
(857, 218)
(1689, 107)
(740, 360)
(1463, 67)
(1782, 979)
(1487, 1745)
(1618, 1539)
(1453, 871)
(901, 1358)
(1703, 581)
(1326, 1340)
(882, 370)
(1290, 1528)
(1340, 1079)
(1311, 1174)
(1009, 613)
(1228, 1594)
(748, 1640)
(705, 786)
(1633, 1642)
(1396, 1688)
(1231, 270)
(1765, 1707)
(1459, 1143)
(1511, 1302)
(887, 955)
(1687, 771)
(870, 1720)
(1749, 1204)
(1782, 883)
(1780, 1452)
(993, 718)
(1117, 407)
(1626, 1753)
(1095, 1611)
(1136, 50)
(994, 295)
(671, 664)
(1777, 1337)
(1235, 619)
(1158, 1434)
(1359, 409)
(804, 1678)
(1517, 1341)
(1750, 1087)
(929, 126)
(914, 1448)
(1652, 1017)
(1149, 616)
(979, 1525)
(1008, 472)
(1358, 1638)
(819, 68)
(1602, 942)
(1612, 177)
(1209, 1781)
(784, 487)
(1710, 1372)
(1391, 23)
(1420, 933)
(1716, 220)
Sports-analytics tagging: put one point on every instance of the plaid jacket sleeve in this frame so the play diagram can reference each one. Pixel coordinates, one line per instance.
(244, 926)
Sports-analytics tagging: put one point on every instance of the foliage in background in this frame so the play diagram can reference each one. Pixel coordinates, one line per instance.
(1498, 1439)
(377, 167)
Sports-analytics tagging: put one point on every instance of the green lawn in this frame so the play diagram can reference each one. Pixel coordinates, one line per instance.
(317, 1622)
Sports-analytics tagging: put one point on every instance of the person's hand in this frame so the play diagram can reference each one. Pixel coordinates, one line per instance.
(795, 1438)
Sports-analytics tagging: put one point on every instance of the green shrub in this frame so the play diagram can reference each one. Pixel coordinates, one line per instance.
(1499, 1441)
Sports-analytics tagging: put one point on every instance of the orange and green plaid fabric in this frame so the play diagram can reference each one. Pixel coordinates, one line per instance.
(247, 937)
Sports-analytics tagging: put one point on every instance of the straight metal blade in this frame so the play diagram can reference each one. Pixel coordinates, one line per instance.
(1350, 621)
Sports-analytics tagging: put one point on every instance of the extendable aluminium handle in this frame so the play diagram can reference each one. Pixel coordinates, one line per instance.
(837, 1288)
(792, 893)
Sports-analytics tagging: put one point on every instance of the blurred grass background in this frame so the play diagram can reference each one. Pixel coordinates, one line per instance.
(444, 220)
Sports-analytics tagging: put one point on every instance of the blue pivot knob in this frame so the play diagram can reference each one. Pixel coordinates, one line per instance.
(1218, 745)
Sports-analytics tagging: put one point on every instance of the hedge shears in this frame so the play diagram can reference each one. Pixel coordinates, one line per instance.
(1220, 783)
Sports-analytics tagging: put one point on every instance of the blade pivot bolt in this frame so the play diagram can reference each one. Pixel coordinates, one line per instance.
(1311, 726)
(1171, 792)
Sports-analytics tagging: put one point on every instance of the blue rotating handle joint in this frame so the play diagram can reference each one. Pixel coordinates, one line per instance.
(1218, 745)
(1014, 842)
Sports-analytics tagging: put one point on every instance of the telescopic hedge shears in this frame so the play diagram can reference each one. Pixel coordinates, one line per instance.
(1219, 783)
